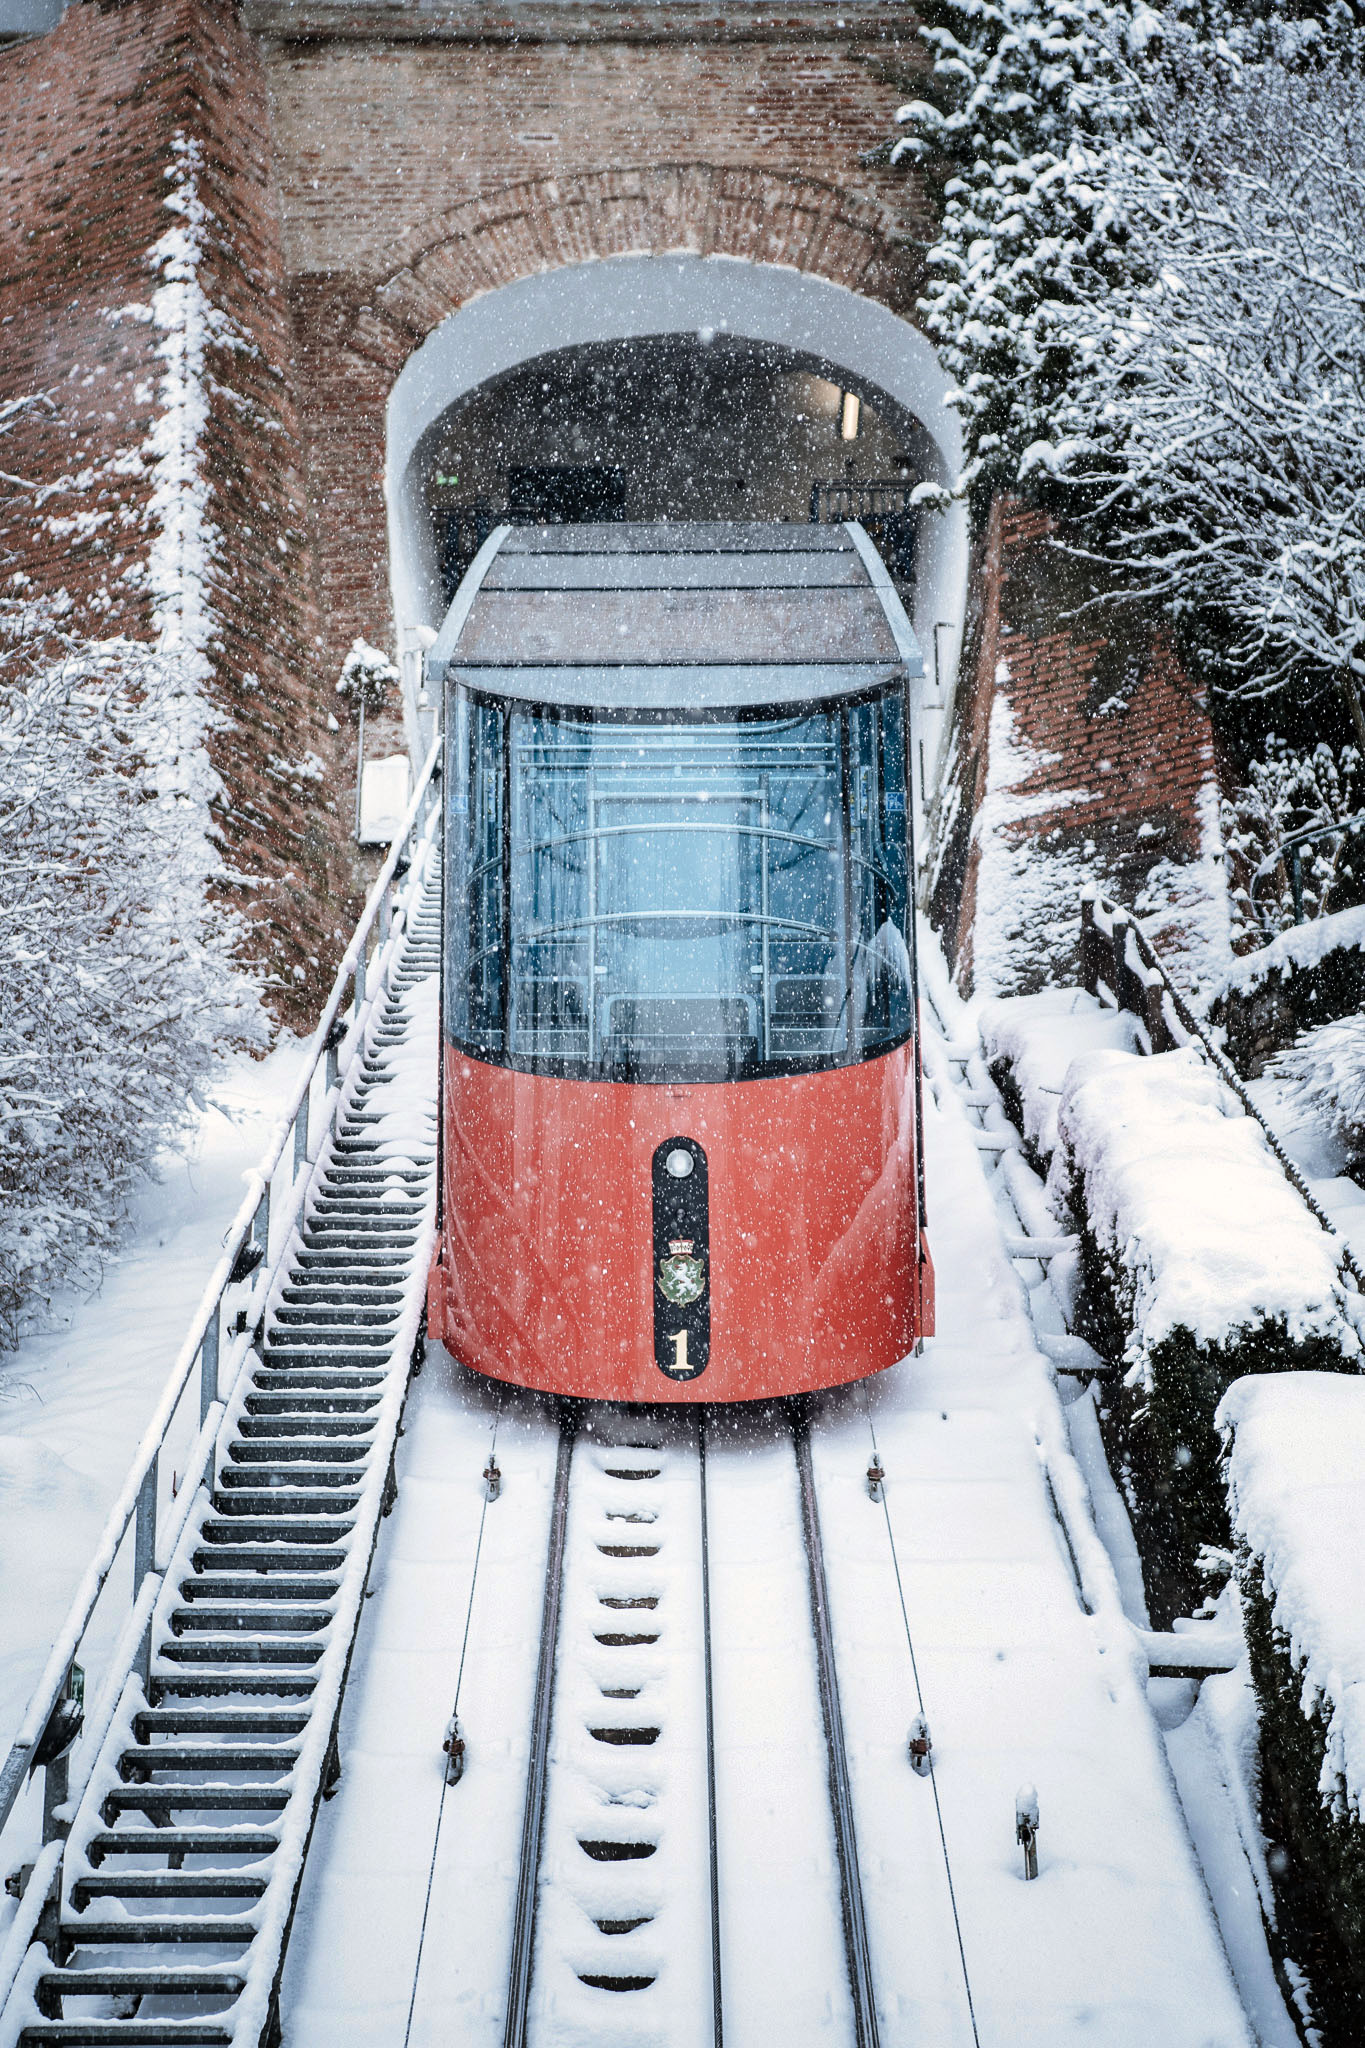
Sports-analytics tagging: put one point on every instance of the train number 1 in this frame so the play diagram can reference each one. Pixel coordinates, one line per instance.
(678, 1339)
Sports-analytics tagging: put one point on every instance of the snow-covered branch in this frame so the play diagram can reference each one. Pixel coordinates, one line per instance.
(1150, 285)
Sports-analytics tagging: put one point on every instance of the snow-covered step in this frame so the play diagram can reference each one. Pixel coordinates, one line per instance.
(188, 1839)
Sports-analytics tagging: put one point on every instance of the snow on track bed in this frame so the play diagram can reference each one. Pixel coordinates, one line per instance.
(353, 1957)
(622, 1944)
(1030, 1670)
(1116, 1941)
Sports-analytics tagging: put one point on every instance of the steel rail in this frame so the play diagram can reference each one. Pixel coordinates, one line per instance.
(713, 1832)
(856, 1945)
(537, 1767)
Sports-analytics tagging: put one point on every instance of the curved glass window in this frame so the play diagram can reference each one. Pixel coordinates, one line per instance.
(643, 900)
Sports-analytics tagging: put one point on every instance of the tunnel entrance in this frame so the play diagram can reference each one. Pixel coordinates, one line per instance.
(671, 427)
(709, 387)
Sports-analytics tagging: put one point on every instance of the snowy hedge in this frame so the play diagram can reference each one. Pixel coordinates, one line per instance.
(1200, 1264)
(1295, 1462)
(1311, 974)
(1030, 1041)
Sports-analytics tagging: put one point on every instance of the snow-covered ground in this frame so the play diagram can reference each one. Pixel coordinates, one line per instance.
(75, 1399)
(1030, 1675)
(1030, 1672)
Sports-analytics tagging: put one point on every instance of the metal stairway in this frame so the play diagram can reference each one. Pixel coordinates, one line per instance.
(183, 1862)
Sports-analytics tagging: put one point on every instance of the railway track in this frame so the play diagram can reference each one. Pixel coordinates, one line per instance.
(629, 1852)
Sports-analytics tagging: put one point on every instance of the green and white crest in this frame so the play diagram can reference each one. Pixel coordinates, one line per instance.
(682, 1276)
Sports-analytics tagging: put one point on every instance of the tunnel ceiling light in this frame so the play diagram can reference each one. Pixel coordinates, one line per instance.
(848, 418)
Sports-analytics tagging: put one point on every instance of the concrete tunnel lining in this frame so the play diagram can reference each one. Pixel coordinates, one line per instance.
(625, 298)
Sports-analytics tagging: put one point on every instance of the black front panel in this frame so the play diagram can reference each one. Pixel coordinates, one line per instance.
(682, 1260)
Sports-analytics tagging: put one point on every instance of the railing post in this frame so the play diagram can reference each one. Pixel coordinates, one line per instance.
(1092, 948)
(144, 1558)
(1159, 1033)
(301, 1131)
(56, 1786)
(360, 980)
(208, 1365)
(144, 1528)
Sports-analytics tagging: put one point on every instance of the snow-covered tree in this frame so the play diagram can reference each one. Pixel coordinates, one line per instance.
(1029, 96)
(116, 978)
(367, 677)
(1287, 792)
(1215, 436)
(1150, 285)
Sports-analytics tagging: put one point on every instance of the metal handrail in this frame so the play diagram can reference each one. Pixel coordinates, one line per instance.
(1172, 1016)
(246, 1247)
(1291, 844)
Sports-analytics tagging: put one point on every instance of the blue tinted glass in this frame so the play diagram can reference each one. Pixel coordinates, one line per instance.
(677, 893)
(701, 900)
(880, 965)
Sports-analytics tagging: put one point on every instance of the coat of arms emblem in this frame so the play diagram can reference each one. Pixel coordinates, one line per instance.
(682, 1276)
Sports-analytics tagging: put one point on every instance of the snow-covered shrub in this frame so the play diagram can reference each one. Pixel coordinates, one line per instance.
(1297, 1450)
(1030, 1042)
(367, 677)
(115, 976)
(1322, 1080)
(1287, 792)
(1200, 1264)
(1311, 974)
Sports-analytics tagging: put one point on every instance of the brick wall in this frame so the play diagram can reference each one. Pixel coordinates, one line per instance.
(1114, 744)
(419, 167)
(371, 170)
(89, 118)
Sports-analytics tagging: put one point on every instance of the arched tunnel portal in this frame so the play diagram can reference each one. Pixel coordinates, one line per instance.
(673, 387)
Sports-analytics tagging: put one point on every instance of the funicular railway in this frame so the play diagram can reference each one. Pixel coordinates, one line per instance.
(699, 1816)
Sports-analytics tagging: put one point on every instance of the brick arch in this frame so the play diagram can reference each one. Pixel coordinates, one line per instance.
(690, 209)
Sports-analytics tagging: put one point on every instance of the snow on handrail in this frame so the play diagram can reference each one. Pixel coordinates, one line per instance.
(1109, 934)
(136, 1500)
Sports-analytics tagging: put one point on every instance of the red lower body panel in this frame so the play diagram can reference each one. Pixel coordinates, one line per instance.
(544, 1274)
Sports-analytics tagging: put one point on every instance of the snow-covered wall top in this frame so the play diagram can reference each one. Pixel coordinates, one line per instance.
(1039, 1036)
(1302, 947)
(1182, 1192)
(1297, 1453)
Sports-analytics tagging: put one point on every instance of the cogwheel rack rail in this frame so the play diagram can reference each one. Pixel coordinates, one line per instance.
(177, 1811)
(518, 2031)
